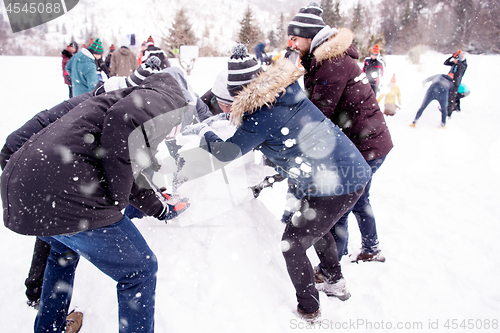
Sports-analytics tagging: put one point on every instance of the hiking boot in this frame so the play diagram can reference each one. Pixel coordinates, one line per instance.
(337, 289)
(73, 322)
(309, 317)
(363, 256)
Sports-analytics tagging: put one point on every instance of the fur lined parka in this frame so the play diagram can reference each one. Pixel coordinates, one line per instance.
(336, 84)
(274, 115)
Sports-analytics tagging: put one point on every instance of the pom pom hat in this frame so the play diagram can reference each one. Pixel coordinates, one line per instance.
(308, 22)
(96, 47)
(375, 49)
(150, 41)
(242, 69)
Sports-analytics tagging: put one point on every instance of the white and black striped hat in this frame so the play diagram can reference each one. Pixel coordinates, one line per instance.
(241, 69)
(152, 65)
(308, 22)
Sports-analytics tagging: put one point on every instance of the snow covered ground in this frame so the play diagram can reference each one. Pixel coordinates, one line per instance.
(220, 263)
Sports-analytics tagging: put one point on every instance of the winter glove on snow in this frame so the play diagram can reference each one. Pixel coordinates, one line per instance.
(195, 129)
(213, 119)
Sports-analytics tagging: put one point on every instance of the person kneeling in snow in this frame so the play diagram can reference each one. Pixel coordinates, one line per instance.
(272, 114)
(69, 183)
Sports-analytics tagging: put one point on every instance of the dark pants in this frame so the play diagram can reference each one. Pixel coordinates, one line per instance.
(310, 226)
(435, 92)
(34, 280)
(363, 212)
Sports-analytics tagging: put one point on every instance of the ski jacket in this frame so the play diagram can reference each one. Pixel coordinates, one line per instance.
(123, 62)
(457, 69)
(337, 86)
(275, 116)
(79, 172)
(441, 80)
(260, 49)
(83, 72)
(374, 69)
(157, 52)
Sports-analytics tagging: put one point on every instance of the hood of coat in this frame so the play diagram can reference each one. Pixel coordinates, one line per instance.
(124, 50)
(265, 90)
(335, 45)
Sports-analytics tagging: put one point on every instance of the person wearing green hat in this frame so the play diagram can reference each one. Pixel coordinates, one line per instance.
(82, 68)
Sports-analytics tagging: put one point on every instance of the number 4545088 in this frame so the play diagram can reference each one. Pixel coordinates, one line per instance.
(33, 8)
(471, 324)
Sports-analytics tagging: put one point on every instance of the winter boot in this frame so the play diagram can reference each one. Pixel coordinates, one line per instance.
(363, 256)
(331, 289)
(309, 317)
(73, 322)
(337, 289)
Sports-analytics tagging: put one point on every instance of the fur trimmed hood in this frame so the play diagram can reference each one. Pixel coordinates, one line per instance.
(336, 46)
(265, 90)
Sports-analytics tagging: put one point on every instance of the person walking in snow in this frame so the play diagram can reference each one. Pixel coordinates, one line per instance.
(439, 90)
(123, 62)
(458, 64)
(66, 54)
(339, 88)
(260, 50)
(374, 68)
(80, 183)
(272, 114)
(393, 93)
(82, 68)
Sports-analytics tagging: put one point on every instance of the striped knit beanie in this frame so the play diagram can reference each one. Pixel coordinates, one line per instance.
(96, 47)
(241, 69)
(152, 65)
(308, 22)
(150, 41)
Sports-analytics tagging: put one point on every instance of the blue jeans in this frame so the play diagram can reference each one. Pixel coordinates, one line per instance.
(435, 92)
(362, 209)
(119, 251)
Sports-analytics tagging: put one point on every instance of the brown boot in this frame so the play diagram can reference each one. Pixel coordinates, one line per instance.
(74, 322)
(363, 256)
(309, 317)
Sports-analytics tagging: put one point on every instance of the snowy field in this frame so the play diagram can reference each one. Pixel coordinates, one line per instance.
(220, 264)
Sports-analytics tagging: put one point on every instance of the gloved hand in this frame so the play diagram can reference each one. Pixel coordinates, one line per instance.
(172, 211)
(195, 129)
(217, 117)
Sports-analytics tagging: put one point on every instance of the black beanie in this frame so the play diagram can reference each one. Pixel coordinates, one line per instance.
(241, 69)
(308, 22)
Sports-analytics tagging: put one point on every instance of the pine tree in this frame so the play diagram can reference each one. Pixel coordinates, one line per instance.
(181, 32)
(281, 33)
(328, 14)
(249, 34)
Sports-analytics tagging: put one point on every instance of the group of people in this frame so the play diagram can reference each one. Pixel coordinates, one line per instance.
(83, 69)
(327, 139)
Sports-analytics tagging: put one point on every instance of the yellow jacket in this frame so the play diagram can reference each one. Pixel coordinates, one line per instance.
(390, 97)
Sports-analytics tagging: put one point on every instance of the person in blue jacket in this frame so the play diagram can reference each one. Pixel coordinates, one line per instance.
(438, 90)
(260, 49)
(272, 114)
(83, 70)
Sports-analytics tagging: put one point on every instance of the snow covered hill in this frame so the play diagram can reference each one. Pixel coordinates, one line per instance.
(220, 263)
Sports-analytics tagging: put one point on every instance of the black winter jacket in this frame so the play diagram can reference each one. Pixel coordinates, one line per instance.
(79, 172)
